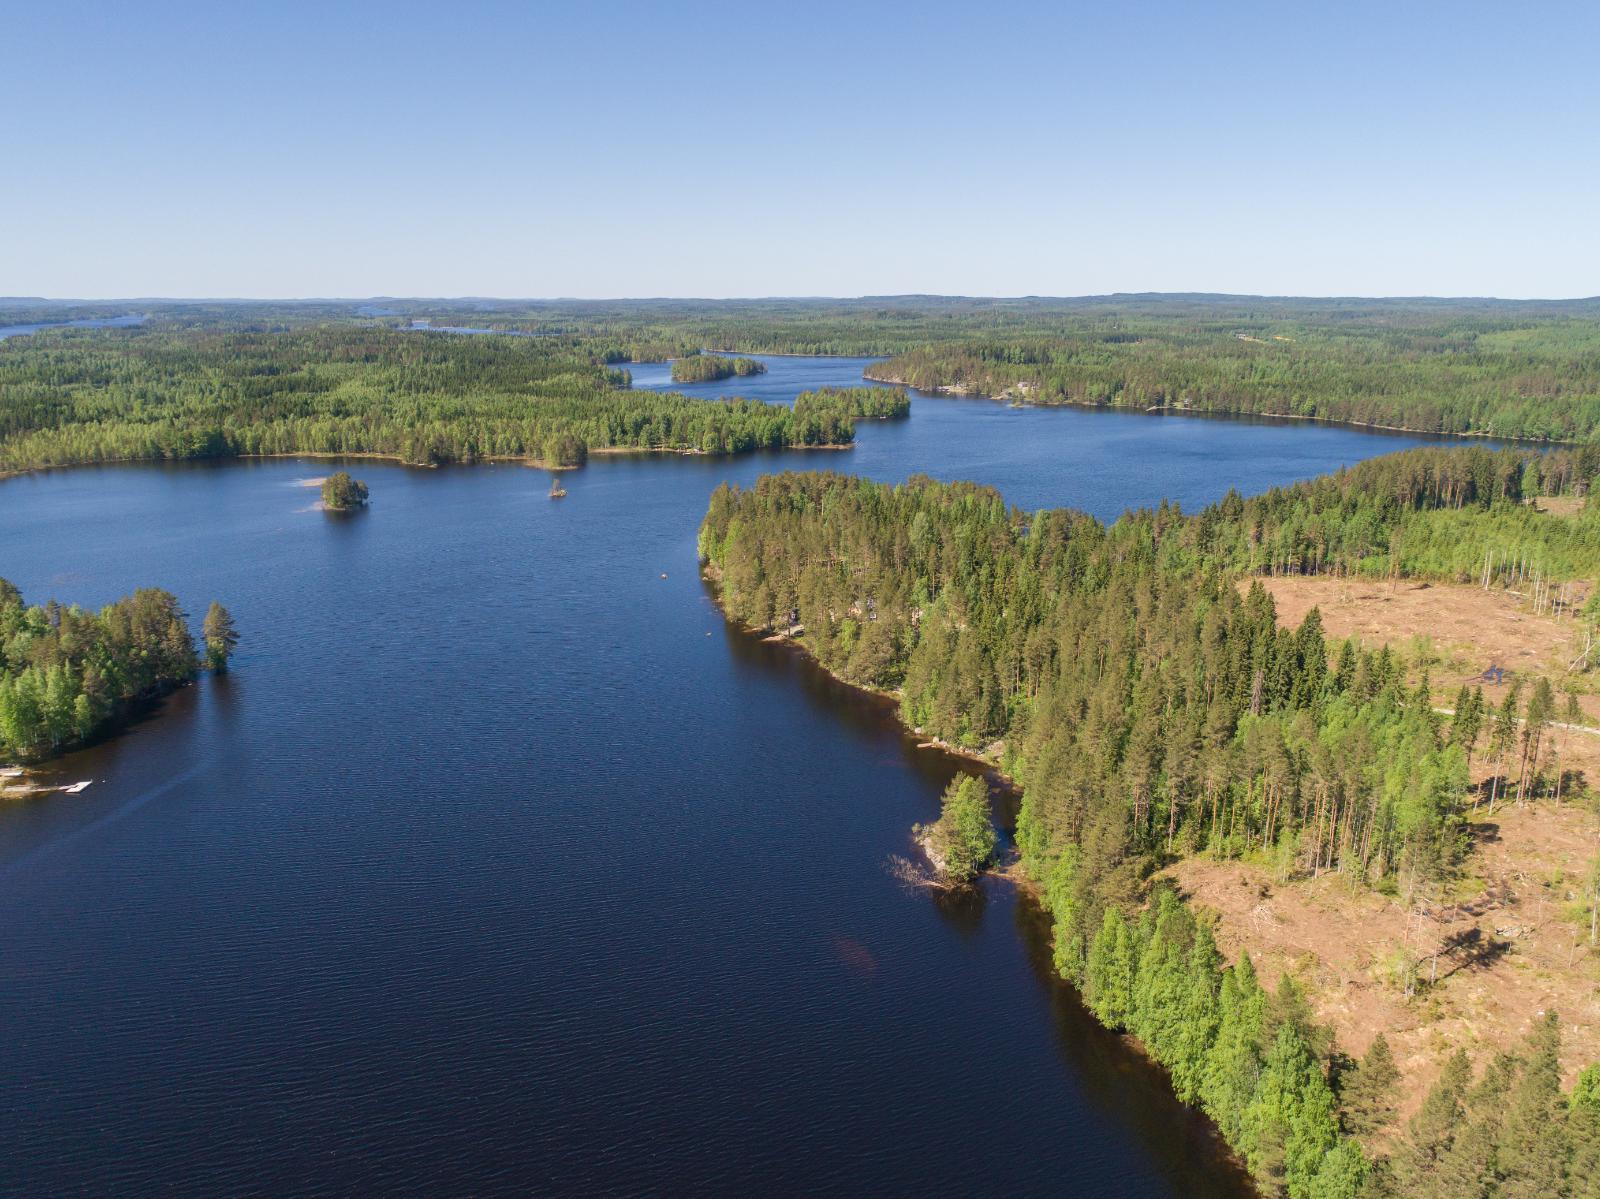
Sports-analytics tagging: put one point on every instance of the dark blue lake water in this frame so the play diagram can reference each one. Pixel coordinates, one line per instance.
(501, 865)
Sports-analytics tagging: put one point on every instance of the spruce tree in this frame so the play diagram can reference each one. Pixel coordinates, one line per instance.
(1289, 1125)
(1431, 1132)
(1109, 974)
(1162, 978)
(1583, 1136)
(1198, 1016)
(1342, 1174)
(1369, 1092)
(1531, 1156)
(1233, 1064)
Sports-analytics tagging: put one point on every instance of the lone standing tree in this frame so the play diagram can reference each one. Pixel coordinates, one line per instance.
(220, 636)
(341, 493)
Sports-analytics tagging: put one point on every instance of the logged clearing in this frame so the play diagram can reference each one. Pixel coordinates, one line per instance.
(1475, 626)
(1493, 949)
(1504, 946)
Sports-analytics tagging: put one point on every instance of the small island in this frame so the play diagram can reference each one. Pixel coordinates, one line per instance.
(68, 676)
(707, 368)
(855, 403)
(341, 493)
(961, 843)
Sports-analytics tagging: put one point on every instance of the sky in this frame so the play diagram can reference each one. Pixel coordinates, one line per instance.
(608, 149)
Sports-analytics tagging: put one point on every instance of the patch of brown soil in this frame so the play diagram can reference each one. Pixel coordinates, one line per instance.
(1479, 627)
(1495, 953)
(1559, 505)
(1506, 941)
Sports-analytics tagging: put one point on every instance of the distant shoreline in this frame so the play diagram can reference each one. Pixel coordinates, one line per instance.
(1226, 413)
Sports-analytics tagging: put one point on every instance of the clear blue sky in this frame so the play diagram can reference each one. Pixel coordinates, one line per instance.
(621, 149)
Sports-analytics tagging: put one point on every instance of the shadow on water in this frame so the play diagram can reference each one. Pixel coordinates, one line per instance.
(1118, 1079)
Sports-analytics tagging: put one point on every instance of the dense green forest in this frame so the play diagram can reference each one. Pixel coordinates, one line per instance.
(706, 368)
(1149, 708)
(856, 403)
(1482, 377)
(210, 378)
(75, 396)
(67, 675)
(828, 415)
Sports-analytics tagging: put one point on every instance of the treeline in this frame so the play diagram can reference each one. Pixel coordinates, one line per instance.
(210, 378)
(706, 368)
(66, 675)
(1148, 708)
(1437, 512)
(1485, 376)
(1295, 1109)
(85, 396)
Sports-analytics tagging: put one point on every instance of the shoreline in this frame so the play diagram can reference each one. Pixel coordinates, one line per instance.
(1007, 869)
(367, 455)
(963, 392)
(712, 577)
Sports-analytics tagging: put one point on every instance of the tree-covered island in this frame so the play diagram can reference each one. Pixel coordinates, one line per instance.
(341, 493)
(68, 676)
(708, 368)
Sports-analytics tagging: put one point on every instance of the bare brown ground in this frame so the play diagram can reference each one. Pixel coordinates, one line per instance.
(1517, 949)
(1483, 627)
(1559, 505)
(1505, 942)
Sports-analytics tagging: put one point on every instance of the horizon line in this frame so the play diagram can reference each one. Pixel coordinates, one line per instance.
(751, 299)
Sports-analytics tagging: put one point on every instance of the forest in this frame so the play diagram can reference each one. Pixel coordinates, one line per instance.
(1458, 376)
(67, 676)
(219, 378)
(1150, 708)
(706, 368)
(155, 392)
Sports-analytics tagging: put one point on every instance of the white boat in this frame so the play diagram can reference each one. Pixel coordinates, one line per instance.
(74, 788)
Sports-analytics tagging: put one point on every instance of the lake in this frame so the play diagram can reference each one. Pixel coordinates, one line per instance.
(500, 864)
(110, 322)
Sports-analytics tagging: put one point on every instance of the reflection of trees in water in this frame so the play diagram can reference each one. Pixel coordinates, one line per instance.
(871, 718)
(1117, 1079)
(962, 908)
